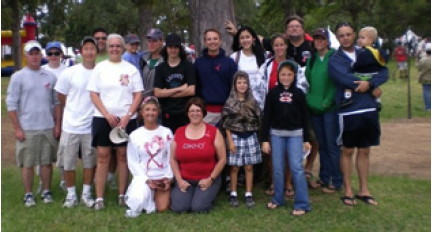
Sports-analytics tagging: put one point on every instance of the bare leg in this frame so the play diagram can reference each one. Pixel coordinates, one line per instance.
(122, 170)
(88, 174)
(363, 170)
(162, 200)
(233, 178)
(346, 168)
(46, 175)
(27, 176)
(103, 158)
(249, 177)
(310, 160)
(69, 178)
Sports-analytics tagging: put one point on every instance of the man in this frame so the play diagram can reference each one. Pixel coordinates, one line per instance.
(76, 127)
(100, 35)
(151, 59)
(214, 72)
(359, 122)
(132, 53)
(30, 101)
(54, 55)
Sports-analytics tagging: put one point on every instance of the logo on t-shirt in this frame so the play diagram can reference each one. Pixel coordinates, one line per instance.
(175, 80)
(124, 79)
(194, 146)
(285, 97)
(305, 55)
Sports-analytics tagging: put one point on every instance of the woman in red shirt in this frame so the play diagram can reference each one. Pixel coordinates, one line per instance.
(198, 158)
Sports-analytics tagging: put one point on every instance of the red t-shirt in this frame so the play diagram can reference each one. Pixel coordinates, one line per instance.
(196, 157)
(400, 54)
(273, 75)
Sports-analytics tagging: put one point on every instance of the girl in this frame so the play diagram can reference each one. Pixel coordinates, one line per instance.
(240, 119)
(148, 160)
(285, 125)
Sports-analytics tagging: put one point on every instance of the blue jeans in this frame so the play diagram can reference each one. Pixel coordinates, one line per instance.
(326, 129)
(427, 96)
(293, 147)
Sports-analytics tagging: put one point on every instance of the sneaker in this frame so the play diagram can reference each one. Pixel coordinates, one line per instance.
(121, 200)
(62, 186)
(87, 200)
(249, 201)
(29, 200)
(99, 205)
(70, 201)
(47, 197)
(131, 213)
(233, 201)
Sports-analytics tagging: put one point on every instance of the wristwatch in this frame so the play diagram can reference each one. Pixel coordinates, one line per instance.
(129, 113)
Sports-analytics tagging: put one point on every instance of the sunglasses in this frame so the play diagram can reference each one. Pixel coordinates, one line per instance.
(100, 38)
(53, 53)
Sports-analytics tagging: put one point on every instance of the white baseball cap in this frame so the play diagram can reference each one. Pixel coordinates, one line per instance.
(32, 44)
(118, 135)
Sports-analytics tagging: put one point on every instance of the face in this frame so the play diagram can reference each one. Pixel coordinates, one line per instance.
(346, 37)
(212, 41)
(115, 49)
(364, 39)
(294, 29)
(195, 114)
(132, 47)
(246, 39)
(34, 58)
(280, 47)
(101, 39)
(89, 52)
(320, 43)
(150, 113)
(286, 76)
(154, 45)
(54, 55)
(241, 85)
(173, 51)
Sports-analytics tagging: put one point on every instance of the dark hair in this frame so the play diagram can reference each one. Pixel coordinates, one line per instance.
(198, 102)
(343, 24)
(257, 48)
(182, 53)
(278, 36)
(99, 29)
(294, 17)
(211, 30)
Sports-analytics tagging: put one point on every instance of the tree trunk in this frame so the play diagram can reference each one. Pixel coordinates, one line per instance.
(145, 21)
(16, 38)
(211, 14)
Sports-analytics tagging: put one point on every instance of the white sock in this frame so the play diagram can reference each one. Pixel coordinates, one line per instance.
(71, 191)
(248, 194)
(233, 193)
(99, 199)
(86, 189)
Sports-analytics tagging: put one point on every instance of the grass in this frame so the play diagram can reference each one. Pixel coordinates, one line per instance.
(404, 205)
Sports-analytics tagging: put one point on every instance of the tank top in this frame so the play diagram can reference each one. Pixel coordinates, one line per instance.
(196, 157)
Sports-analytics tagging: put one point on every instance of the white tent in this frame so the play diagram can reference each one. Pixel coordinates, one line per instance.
(334, 43)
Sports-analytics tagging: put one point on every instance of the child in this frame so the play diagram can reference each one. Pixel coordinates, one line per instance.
(285, 124)
(241, 120)
(369, 61)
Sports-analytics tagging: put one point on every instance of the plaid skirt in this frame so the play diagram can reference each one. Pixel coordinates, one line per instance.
(248, 151)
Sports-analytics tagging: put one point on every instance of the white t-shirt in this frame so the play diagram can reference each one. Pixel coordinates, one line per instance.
(115, 83)
(78, 111)
(249, 65)
(57, 71)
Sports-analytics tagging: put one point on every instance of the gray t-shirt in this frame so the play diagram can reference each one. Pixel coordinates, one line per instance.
(31, 94)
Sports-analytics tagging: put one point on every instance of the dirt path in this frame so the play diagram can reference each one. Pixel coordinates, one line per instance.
(405, 148)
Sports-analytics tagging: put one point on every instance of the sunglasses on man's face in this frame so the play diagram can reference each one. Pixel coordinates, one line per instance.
(53, 53)
(100, 38)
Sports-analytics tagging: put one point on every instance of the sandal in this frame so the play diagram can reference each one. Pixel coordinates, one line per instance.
(272, 206)
(289, 193)
(329, 189)
(348, 201)
(269, 191)
(298, 212)
(367, 199)
(311, 184)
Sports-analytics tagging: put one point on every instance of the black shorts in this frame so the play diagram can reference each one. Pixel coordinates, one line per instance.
(360, 130)
(101, 130)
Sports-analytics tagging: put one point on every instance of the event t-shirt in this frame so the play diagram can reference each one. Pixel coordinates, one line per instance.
(78, 110)
(115, 82)
(57, 71)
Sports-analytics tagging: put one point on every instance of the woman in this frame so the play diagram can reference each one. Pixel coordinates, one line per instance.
(198, 157)
(148, 153)
(116, 91)
(174, 83)
(321, 103)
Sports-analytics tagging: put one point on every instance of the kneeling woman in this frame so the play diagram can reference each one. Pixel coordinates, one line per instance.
(148, 154)
(197, 160)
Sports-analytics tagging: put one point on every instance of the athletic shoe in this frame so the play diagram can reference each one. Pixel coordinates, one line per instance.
(233, 201)
(87, 200)
(131, 214)
(249, 201)
(70, 201)
(99, 205)
(47, 197)
(121, 200)
(29, 200)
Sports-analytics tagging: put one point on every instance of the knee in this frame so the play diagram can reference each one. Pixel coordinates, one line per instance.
(234, 169)
(248, 168)
(121, 158)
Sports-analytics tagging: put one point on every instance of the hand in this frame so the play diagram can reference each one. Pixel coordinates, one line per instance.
(151, 184)
(266, 148)
(19, 135)
(183, 185)
(112, 120)
(307, 146)
(205, 183)
(232, 147)
(56, 132)
(377, 92)
(124, 121)
(230, 27)
(363, 86)
(167, 184)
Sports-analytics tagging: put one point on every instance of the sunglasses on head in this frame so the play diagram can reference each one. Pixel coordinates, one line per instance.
(53, 53)
(100, 38)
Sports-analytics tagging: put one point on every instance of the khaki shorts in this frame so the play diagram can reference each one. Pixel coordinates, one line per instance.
(38, 148)
(70, 145)
(212, 118)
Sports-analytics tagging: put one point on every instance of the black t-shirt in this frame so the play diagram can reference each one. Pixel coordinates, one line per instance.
(167, 77)
(300, 54)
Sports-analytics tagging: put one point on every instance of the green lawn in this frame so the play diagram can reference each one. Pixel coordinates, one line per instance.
(404, 205)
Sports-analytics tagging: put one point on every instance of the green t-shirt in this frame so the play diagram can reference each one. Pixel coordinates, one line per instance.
(152, 63)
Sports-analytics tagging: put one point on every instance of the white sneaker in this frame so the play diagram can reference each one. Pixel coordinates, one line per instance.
(87, 200)
(62, 186)
(70, 201)
(131, 214)
(47, 197)
(99, 205)
(29, 200)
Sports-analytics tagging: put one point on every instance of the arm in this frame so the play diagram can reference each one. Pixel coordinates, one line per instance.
(182, 184)
(112, 119)
(189, 91)
(58, 111)
(221, 155)
(160, 93)
(12, 99)
(231, 145)
(137, 98)
(190, 76)
(340, 71)
(19, 133)
(134, 165)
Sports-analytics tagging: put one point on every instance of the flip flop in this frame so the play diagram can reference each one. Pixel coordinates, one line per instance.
(367, 199)
(329, 189)
(272, 206)
(311, 183)
(298, 212)
(348, 201)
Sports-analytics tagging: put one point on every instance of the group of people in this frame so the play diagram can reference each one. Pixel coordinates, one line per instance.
(186, 121)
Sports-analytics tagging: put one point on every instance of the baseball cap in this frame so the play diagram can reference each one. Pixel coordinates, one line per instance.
(32, 44)
(118, 135)
(132, 38)
(321, 32)
(88, 39)
(291, 63)
(154, 33)
(53, 44)
(173, 40)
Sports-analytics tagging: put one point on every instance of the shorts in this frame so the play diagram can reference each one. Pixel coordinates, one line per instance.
(360, 130)
(38, 148)
(248, 151)
(101, 129)
(402, 65)
(69, 147)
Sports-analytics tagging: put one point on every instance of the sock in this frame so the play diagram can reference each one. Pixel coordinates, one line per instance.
(233, 193)
(71, 191)
(248, 194)
(29, 193)
(99, 199)
(86, 189)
